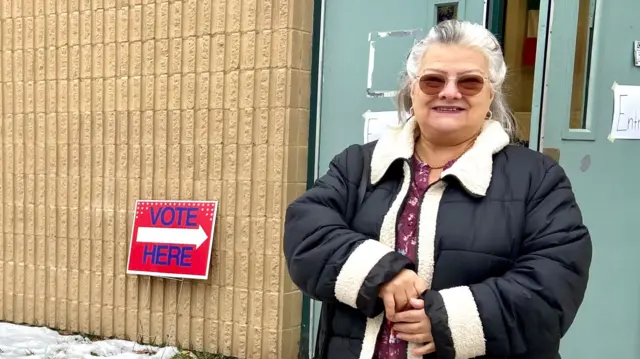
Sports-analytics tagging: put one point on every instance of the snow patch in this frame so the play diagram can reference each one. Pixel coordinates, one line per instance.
(24, 342)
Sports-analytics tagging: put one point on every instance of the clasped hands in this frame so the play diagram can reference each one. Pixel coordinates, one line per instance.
(403, 307)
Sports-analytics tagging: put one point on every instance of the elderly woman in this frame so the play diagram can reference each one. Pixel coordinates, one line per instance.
(463, 245)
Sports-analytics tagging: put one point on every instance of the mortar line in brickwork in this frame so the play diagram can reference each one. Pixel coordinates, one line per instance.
(193, 289)
(211, 286)
(149, 280)
(103, 211)
(110, 242)
(178, 303)
(37, 248)
(160, 282)
(172, 325)
(71, 302)
(242, 347)
(183, 176)
(14, 252)
(132, 283)
(168, 291)
(92, 206)
(48, 225)
(144, 294)
(18, 201)
(18, 257)
(3, 237)
(66, 239)
(126, 285)
(9, 235)
(222, 6)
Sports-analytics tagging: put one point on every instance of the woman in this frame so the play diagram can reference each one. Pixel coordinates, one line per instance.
(464, 245)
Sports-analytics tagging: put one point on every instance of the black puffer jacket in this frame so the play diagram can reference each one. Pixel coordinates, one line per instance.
(501, 245)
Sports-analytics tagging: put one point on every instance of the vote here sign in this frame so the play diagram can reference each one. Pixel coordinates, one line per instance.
(172, 238)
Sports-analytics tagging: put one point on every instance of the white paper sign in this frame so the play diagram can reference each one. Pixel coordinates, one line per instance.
(626, 113)
(376, 123)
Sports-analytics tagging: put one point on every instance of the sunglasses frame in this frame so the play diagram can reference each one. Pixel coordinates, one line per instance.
(448, 79)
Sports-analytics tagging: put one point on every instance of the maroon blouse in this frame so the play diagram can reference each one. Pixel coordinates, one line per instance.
(388, 346)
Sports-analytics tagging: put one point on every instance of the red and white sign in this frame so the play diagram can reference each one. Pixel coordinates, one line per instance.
(172, 239)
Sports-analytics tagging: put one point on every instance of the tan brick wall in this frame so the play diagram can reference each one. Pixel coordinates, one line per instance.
(109, 101)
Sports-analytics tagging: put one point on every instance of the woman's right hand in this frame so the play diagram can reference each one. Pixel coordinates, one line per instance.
(402, 288)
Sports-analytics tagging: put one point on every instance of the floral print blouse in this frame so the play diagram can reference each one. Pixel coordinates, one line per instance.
(388, 346)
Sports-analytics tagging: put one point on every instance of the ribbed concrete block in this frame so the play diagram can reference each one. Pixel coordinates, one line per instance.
(104, 103)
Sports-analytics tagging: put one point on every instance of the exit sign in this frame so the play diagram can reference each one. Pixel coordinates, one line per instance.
(172, 238)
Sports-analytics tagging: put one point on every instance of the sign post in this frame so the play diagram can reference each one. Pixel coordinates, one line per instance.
(172, 239)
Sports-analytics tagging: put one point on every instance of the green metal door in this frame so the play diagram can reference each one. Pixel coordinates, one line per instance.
(578, 109)
(363, 46)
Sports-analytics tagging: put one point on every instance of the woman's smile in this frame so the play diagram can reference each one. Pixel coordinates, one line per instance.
(448, 110)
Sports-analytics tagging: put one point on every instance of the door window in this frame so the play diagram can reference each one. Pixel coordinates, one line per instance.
(446, 12)
(581, 65)
(518, 30)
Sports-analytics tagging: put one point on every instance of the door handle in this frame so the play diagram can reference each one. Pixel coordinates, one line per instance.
(553, 153)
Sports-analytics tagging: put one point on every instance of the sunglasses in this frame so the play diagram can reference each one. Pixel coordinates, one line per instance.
(468, 85)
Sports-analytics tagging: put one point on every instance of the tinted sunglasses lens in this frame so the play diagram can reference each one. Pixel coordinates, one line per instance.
(470, 85)
(432, 84)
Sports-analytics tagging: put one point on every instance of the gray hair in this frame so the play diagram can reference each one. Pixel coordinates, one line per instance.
(454, 32)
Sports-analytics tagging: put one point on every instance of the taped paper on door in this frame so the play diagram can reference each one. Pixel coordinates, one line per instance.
(376, 123)
(626, 113)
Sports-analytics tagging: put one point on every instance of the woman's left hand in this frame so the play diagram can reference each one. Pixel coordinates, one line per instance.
(414, 326)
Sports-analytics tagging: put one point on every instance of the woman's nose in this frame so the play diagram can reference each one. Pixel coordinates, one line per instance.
(450, 91)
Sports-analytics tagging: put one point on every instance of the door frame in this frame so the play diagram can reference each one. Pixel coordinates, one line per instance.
(538, 101)
(495, 19)
(308, 324)
(309, 320)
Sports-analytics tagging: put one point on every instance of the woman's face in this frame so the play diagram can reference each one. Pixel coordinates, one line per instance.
(458, 92)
